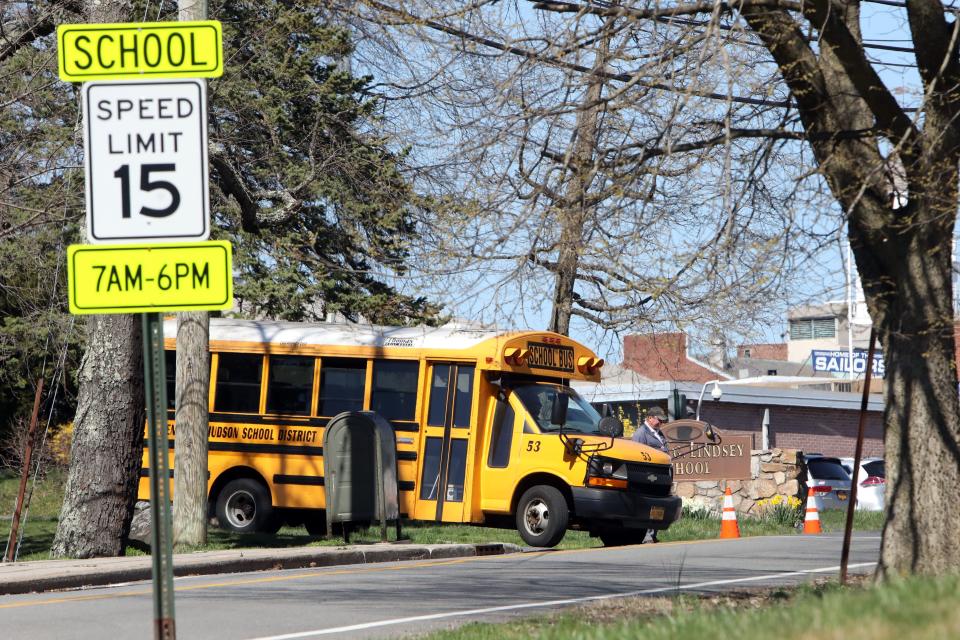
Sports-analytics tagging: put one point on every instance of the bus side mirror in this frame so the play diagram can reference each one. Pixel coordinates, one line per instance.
(558, 412)
(611, 427)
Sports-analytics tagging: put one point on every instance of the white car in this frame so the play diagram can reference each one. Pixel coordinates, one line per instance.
(872, 481)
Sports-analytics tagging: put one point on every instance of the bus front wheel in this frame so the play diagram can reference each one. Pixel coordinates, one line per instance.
(542, 516)
(244, 506)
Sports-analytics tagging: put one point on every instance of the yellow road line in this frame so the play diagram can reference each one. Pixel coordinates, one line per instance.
(237, 582)
(314, 574)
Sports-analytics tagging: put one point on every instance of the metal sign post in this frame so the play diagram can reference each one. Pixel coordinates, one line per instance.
(161, 533)
(858, 452)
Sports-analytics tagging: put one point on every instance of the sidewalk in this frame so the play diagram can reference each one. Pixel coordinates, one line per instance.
(52, 575)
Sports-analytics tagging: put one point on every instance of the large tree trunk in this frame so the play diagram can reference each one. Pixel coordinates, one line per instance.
(107, 449)
(922, 438)
(903, 253)
(193, 385)
(909, 288)
(107, 442)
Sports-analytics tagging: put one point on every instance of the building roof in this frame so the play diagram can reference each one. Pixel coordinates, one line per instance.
(617, 374)
(760, 367)
(746, 391)
(825, 310)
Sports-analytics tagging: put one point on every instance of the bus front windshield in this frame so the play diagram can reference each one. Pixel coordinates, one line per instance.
(538, 400)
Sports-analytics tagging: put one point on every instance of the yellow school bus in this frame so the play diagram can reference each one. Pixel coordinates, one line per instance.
(487, 429)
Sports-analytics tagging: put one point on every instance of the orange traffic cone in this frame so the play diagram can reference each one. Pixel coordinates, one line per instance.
(811, 521)
(728, 525)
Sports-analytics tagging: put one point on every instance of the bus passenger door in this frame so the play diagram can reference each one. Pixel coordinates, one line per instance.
(446, 438)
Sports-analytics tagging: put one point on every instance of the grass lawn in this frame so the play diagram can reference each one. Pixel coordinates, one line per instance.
(41, 519)
(918, 608)
(41, 524)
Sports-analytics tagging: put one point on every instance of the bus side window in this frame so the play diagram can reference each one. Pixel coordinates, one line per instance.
(394, 393)
(342, 382)
(501, 435)
(238, 383)
(463, 397)
(290, 385)
(438, 395)
(171, 365)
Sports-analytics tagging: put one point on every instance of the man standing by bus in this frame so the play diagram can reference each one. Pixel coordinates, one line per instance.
(649, 433)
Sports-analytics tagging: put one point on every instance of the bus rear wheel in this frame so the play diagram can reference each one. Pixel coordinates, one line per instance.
(244, 506)
(542, 516)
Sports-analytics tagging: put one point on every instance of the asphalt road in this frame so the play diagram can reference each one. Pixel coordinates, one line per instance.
(395, 599)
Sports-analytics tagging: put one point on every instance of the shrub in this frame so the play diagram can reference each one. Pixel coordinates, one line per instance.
(58, 445)
(628, 426)
(781, 510)
(698, 511)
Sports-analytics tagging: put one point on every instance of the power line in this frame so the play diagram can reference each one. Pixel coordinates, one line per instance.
(727, 27)
(619, 77)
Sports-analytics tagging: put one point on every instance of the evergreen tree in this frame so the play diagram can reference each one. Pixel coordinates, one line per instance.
(315, 203)
(41, 196)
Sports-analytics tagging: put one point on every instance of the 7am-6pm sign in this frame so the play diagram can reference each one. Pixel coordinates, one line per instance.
(134, 278)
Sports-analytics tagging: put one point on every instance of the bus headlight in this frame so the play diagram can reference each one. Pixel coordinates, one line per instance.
(606, 472)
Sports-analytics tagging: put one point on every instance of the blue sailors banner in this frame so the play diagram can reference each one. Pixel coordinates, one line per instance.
(839, 362)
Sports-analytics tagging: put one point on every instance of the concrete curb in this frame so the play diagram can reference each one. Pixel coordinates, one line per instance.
(54, 575)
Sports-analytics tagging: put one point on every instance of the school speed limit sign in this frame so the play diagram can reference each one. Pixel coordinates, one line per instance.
(146, 160)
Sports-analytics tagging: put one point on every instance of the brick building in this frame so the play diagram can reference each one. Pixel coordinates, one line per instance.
(812, 421)
(773, 380)
(768, 351)
(800, 412)
(666, 356)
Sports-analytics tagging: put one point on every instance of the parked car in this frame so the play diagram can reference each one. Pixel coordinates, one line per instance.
(828, 481)
(872, 479)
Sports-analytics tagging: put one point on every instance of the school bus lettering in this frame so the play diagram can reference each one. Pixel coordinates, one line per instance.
(257, 433)
(221, 431)
(478, 439)
(296, 435)
(551, 357)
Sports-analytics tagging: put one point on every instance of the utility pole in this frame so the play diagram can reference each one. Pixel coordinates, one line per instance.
(192, 415)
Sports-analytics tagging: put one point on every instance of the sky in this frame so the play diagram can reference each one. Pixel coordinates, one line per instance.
(883, 28)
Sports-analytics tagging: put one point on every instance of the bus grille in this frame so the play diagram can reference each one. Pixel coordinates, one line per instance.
(649, 479)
